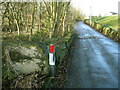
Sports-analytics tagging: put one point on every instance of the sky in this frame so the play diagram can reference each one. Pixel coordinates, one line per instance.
(98, 7)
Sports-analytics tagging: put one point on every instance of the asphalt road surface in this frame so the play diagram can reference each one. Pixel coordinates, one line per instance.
(94, 61)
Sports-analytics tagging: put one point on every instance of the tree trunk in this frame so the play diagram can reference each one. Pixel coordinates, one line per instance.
(18, 29)
(31, 31)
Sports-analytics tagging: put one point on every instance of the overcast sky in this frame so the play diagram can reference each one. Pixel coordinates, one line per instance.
(102, 7)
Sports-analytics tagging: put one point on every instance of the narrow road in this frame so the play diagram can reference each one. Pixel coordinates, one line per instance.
(94, 61)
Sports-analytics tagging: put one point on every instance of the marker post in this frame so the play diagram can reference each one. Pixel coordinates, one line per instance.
(52, 59)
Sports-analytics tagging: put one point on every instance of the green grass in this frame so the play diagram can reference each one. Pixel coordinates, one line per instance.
(111, 21)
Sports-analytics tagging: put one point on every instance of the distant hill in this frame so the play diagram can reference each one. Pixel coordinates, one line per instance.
(111, 21)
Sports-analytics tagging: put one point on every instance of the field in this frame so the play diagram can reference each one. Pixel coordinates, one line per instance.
(110, 21)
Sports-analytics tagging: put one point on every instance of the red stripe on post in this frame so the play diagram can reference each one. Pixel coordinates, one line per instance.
(52, 48)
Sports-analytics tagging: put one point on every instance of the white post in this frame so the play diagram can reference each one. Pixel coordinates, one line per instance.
(51, 59)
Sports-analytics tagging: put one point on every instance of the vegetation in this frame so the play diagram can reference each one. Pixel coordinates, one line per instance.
(41, 23)
(110, 21)
(104, 25)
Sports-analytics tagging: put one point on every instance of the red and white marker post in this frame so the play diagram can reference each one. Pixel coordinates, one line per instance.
(52, 59)
(51, 54)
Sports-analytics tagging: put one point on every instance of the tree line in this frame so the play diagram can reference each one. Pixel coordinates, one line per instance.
(50, 19)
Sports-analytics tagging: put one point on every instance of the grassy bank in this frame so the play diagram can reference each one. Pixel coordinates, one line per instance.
(107, 25)
(110, 21)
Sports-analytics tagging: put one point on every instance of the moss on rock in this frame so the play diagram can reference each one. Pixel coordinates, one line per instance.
(27, 58)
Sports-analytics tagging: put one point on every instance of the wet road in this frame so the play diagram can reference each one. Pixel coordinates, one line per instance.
(94, 61)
